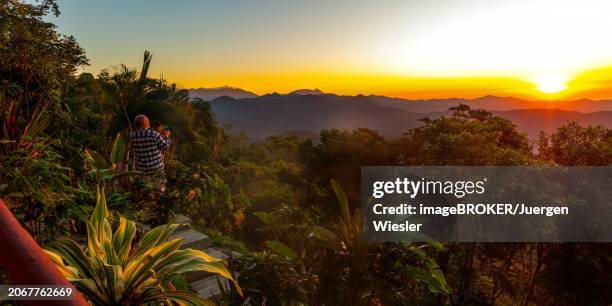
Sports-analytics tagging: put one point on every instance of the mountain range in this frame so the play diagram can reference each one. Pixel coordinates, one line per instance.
(496, 103)
(209, 94)
(307, 112)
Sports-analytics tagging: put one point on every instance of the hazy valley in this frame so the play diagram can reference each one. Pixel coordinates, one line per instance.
(310, 111)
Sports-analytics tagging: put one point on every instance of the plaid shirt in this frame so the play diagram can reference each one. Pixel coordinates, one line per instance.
(148, 146)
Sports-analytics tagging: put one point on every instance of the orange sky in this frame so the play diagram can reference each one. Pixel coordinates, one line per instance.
(593, 84)
(545, 49)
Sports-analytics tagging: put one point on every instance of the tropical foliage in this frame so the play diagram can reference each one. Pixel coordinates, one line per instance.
(348, 243)
(114, 270)
(297, 236)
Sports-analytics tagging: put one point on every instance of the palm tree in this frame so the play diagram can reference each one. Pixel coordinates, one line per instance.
(191, 119)
(127, 89)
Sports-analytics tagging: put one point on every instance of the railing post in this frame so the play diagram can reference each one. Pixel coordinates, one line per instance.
(23, 259)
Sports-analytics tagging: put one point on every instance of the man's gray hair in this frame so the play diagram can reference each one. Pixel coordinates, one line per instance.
(140, 120)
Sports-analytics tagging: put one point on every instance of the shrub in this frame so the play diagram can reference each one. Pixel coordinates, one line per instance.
(113, 271)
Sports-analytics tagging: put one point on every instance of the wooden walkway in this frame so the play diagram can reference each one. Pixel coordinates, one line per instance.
(204, 283)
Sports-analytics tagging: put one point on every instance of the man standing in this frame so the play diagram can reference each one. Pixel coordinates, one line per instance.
(148, 146)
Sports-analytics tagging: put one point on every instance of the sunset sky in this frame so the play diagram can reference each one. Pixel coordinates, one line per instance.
(412, 49)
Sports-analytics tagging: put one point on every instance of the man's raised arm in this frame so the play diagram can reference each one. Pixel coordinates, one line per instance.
(163, 140)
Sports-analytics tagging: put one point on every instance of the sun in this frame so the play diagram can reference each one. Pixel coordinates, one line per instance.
(551, 84)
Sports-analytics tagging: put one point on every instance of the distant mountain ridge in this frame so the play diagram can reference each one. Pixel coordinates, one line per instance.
(275, 114)
(315, 91)
(272, 114)
(496, 103)
(430, 105)
(209, 94)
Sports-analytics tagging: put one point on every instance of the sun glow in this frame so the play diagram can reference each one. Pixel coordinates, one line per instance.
(541, 47)
(551, 84)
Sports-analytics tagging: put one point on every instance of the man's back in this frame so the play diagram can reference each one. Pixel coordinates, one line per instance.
(147, 146)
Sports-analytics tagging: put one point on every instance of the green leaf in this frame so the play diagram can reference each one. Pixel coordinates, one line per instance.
(435, 244)
(281, 249)
(74, 256)
(88, 288)
(122, 240)
(331, 240)
(141, 268)
(342, 202)
(113, 275)
(107, 174)
(66, 270)
(265, 217)
(434, 283)
(96, 159)
(155, 237)
(415, 236)
(118, 150)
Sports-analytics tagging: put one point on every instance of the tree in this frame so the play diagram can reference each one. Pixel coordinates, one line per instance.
(468, 137)
(36, 63)
(127, 89)
(575, 145)
(195, 132)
